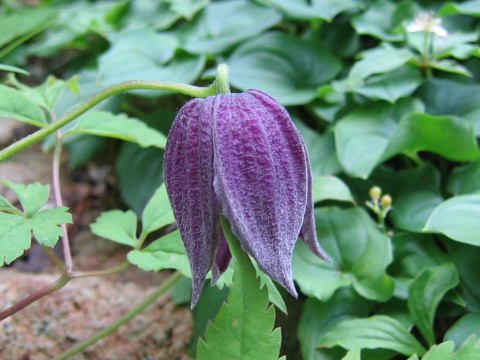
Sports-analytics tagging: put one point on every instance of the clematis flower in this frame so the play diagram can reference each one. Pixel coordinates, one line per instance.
(239, 156)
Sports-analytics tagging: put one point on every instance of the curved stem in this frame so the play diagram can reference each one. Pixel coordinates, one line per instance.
(113, 270)
(123, 320)
(102, 95)
(61, 282)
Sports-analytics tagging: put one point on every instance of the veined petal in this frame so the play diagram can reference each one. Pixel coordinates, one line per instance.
(260, 178)
(222, 258)
(188, 172)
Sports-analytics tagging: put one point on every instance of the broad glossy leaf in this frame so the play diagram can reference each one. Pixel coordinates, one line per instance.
(450, 66)
(448, 97)
(32, 197)
(187, 8)
(463, 328)
(140, 173)
(318, 318)
(158, 212)
(287, 67)
(471, 7)
(224, 24)
(425, 293)
(465, 179)
(117, 226)
(362, 136)
(378, 331)
(316, 9)
(415, 199)
(391, 86)
(321, 150)
(369, 64)
(166, 252)
(15, 105)
(330, 188)
(458, 218)
(244, 326)
(470, 349)
(381, 19)
(465, 257)
(353, 354)
(448, 136)
(361, 263)
(118, 126)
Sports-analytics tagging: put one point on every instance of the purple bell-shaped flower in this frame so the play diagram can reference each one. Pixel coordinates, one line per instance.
(240, 156)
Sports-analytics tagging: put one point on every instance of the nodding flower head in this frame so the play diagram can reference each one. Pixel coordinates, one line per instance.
(239, 156)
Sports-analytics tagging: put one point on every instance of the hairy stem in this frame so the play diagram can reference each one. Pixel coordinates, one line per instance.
(118, 268)
(123, 320)
(57, 154)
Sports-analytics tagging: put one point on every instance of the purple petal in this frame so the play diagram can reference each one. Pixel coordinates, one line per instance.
(222, 258)
(261, 178)
(188, 172)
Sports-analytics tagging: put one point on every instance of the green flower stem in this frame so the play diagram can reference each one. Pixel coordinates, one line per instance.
(222, 82)
(191, 90)
(121, 321)
(113, 270)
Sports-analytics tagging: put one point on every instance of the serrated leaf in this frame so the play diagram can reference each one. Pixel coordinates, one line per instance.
(425, 293)
(118, 126)
(117, 226)
(243, 328)
(15, 231)
(167, 252)
(458, 218)
(15, 105)
(361, 264)
(15, 237)
(287, 67)
(330, 188)
(299, 9)
(32, 197)
(377, 331)
(45, 224)
(158, 212)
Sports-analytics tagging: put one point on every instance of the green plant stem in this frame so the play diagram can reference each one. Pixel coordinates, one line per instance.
(102, 95)
(123, 320)
(84, 274)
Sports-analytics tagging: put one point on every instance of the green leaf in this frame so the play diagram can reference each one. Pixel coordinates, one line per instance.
(24, 23)
(458, 218)
(166, 252)
(471, 7)
(15, 231)
(441, 351)
(330, 188)
(140, 173)
(287, 67)
(465, 179)
(15, 237)
(321, 150)
(187, 8)
(378, 331)
(32, 197)
(117, 226)
(353, 354)
(450, 137)
(224, 24)
(449, 97)
(362, 136)
(299, 9)
(10, 68)
(369, 64)
(118, 126)
(158, 212)
(318, 318)
(470, 349)
(361, 264)
(15, 105)
(416, 198)
(243, 328)
(425, 293)
(463, 328)
(45, 224)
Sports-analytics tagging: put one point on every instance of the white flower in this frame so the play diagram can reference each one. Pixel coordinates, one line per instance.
(428, 22)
